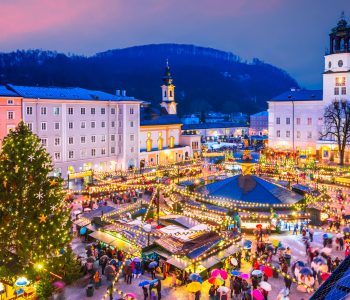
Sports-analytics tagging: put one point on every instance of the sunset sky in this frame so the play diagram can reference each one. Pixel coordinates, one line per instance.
(291, 34)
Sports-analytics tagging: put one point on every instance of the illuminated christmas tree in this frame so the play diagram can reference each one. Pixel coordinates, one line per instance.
(34, 222)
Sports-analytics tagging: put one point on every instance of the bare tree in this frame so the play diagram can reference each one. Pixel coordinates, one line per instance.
(337, 125)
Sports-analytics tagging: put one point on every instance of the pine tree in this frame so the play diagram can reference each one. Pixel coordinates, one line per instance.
(34, 222)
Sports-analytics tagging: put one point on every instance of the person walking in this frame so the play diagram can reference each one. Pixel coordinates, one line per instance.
(128, 275)
(145, 293)
(212, 293)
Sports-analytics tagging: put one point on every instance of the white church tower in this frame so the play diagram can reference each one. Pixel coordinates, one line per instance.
(168, 92)
(336, 78)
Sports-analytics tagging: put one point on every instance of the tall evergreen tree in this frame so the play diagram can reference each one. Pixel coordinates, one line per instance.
(34, 222)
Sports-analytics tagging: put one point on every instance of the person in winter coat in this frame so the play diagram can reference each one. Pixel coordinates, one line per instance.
(212, 292)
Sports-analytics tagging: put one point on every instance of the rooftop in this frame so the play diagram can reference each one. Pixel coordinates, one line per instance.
(260, 114)
(300, 95)
(212, 125)
(4, 91)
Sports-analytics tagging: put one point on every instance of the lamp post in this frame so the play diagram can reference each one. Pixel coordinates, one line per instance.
(68, 172)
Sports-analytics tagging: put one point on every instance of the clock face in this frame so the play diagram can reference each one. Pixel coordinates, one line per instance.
(340, 63)
(329, 64)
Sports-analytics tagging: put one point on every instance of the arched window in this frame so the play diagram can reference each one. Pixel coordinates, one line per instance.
(160, 143)
(171, 142)
(171, 93)
(342, 44)
(164, 93)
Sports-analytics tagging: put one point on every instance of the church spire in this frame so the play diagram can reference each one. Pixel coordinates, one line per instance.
(167, 78)
(168, 91)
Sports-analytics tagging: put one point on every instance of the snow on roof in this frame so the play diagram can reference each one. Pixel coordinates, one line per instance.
(300, 95)
(4, 91)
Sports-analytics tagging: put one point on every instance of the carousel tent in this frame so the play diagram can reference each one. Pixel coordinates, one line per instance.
(251, 188)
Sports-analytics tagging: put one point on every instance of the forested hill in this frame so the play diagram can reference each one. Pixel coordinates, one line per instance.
(205, 78)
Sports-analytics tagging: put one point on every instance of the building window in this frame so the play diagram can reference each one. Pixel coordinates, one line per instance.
(131, 137)
(10, 115)
(343, 90)
(103, 124)
(112, 137)
(112, 124)
(309, 121)
(336, 91)
(93, 139)
(171, 93)
(82, 139)
(93, 110)
(164, 93)
(287, 121)
(278, 133)
(287, 133)
(57, 141)
(57, 155)
(71, 154)
(70, 110)
(43, 110)
(103, 151)
(10, 102)
(83, 153)
(93, 124)
(103, 111)
(43, 142)
(131, 124)
(30, 126)
(29, 110)
(83, 124)
(131, 111)
(70, 125)
(43, 126)
(309, 134)
(298, 134)
(132, 150)
(93, 152)
(56, 111)
(298, 121)
(120, 110)
(278, 120)
(82, 110)
(112, 150)
(119, 150)
(103, 138)
(57, 126)
(113, 111)
(340, 81)
(70, 140)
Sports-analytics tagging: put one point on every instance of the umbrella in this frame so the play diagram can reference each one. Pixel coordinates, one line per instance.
(83, 230)
(153, 281)
(59, 284)
(306, 271)
(234, 261)
(235, 273)
(331, 219)
(346, 229)
(325, 275)
(136, 259)
(144, 282)
(259, 226)
(194, 287)
(256, 273)
(244, 276)
(224, 289)
(193, 276)
(275, 243)
(347, 217)
(257, 295)
(265, 286)
(319, 261)
(281, 248)
(327, 235)
(268, 271)
(153, 264)
(131, 295)
(326, 250)
(22, 281)
(216, 281)
(219, 272)
(247, 244)
(299, 264)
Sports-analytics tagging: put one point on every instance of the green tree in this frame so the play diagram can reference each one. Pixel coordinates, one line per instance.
(34, 221)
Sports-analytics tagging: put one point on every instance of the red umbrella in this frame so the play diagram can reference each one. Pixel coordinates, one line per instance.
(259, 226)
(268, 271)
(324, 276)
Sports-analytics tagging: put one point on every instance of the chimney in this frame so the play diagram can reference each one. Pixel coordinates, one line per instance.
(117, 92)
(123, 93)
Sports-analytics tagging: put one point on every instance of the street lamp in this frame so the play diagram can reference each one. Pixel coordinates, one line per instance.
(148, 229)
(68, 172)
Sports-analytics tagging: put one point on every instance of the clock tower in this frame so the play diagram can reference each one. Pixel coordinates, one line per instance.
(168, 95)
(336, 77)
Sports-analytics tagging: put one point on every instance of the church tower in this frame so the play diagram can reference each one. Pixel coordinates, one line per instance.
(336, 77)
(168, 96)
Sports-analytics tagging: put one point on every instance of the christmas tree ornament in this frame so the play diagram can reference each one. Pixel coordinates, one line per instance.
(42, 218)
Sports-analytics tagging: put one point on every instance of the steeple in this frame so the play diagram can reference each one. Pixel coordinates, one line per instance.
(168, 91)
(340, 37)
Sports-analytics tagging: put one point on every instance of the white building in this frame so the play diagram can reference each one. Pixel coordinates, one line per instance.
(83, 129)
(296, 117)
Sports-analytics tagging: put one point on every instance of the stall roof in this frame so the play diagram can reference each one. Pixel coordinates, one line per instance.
(82, 222)
(98, 212)
(102, 236)
(179, 262)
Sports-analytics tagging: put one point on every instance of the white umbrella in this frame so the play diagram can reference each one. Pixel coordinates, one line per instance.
(326, 250)
(223, 289)
(265, 285)
(234, 261)
(88, 209)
